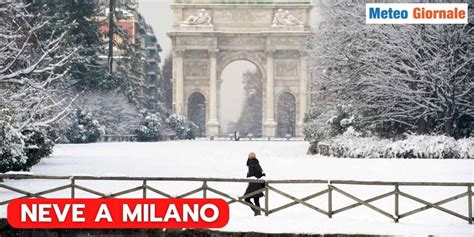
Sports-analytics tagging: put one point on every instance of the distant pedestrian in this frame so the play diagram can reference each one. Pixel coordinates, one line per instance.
(236, 136)
(255, 170)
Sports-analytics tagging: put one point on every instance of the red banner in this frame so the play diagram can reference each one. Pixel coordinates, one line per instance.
(118, 213)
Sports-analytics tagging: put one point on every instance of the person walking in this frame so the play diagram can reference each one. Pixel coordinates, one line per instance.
(254, 170)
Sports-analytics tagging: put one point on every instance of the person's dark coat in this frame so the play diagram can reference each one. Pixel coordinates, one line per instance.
(254, 171)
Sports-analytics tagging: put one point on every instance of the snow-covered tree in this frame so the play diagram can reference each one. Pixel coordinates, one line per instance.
(398, 77)
(166, 84)
(130, 76)
(32, 63)
(197, 112)
(113, 111)
(250, 120)
(76, 18)
(286, 115)
(33, 67)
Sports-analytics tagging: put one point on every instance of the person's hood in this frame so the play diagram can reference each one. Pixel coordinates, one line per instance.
(252, 161)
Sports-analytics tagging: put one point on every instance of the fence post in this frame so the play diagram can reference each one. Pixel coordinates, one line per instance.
(329, 199)
(204, 189)
(73, 186)
(267, 212)
(144, 188)
(469, 203)
(396, 203)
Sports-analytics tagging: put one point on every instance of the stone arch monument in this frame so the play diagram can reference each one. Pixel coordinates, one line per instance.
(207, 35)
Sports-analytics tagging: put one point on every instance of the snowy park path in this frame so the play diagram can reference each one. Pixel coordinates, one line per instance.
(280, 160)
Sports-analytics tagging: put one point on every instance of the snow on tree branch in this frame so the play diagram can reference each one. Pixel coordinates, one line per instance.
(419, 76)
(32, 59)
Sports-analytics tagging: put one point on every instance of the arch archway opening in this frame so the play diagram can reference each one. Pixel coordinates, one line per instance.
(240, 99)
(197, 112)
(286, 115)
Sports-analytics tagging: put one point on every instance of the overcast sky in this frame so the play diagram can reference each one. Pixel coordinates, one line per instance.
(158, 14)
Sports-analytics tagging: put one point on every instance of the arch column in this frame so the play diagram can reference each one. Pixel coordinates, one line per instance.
(178, 79)
(269, 126)
(213, 122)
(303, 92)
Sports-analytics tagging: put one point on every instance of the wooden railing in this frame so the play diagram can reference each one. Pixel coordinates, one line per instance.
(330, 187)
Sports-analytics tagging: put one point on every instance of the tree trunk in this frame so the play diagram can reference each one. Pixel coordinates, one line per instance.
(111, 36)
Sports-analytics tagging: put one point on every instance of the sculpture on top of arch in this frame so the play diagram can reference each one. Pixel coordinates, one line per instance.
(284, 18)
(202, 18)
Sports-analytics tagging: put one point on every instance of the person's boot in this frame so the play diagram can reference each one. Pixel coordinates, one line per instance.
(256, 213)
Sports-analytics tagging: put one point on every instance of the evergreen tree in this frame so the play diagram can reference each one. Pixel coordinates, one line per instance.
(76, 17)
(129, 75)
(250, 120)
(166, 84)
(286, 119)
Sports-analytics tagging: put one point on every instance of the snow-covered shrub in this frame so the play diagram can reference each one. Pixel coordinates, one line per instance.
(419, 146)
(344, 118)
(21, 148)
(149, 128)
(183, 128)
(84, 128)
(413, 146)
(314, 128)
(12, 153)
(350, 144)
(192, 131)
(323, 123)
(466, 147)
(39, 143)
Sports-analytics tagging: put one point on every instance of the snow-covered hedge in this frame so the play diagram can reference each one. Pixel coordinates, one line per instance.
(414, 146)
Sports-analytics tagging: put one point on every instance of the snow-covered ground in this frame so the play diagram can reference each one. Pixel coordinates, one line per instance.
(280, 160)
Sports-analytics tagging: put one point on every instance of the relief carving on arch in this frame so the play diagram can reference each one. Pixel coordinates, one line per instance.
(183, 40)
(195, 68)
(242, 41)
(294, 41)
(241, 16)
(196, 54)
(288, 54)
(286, 68)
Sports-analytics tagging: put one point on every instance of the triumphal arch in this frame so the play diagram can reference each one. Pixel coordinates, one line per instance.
(207, 35)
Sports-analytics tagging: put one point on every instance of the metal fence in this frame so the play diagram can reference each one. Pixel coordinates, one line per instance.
(268, 187)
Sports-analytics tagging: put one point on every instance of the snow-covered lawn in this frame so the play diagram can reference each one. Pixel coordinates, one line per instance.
(280, 160)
